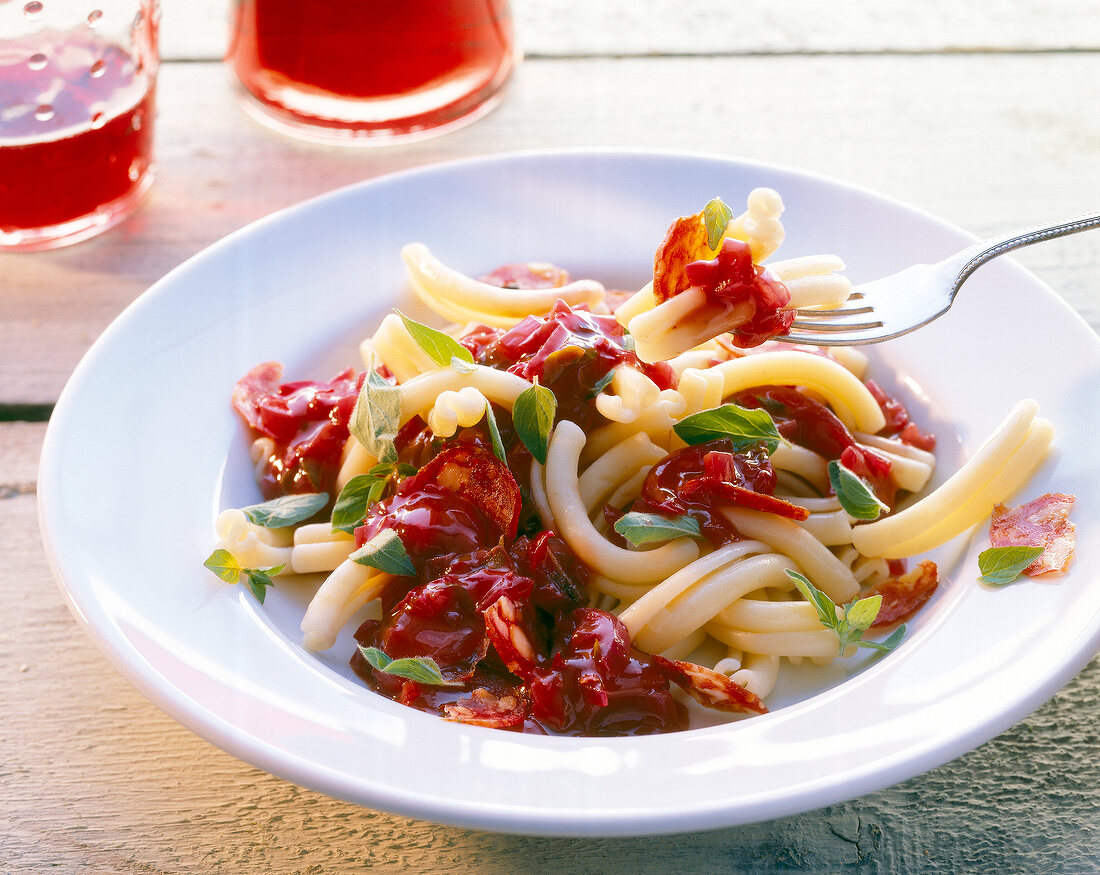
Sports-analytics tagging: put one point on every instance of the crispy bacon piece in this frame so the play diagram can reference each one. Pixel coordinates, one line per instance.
(685, 242)
(1042, 522)
(483, 708)
(528, 275)
(903, 596)
(711, 688)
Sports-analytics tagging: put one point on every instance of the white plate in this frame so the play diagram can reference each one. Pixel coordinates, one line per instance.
(143, 450)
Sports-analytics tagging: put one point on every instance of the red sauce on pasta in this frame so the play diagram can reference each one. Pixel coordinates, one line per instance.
(308, 422)
(570, 350)
(732, 279)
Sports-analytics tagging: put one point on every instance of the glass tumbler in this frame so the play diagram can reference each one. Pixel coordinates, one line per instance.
(77, 85)
(370, 71)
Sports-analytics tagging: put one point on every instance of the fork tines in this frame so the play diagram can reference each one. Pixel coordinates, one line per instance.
(843, 318)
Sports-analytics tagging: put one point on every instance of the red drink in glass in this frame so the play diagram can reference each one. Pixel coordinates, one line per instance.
(371, 70)
(76, 135)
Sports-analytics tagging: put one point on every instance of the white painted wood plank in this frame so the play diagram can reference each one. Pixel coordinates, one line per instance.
(198, 28)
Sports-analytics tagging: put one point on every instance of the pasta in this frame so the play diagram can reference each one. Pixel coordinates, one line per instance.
(553, 517)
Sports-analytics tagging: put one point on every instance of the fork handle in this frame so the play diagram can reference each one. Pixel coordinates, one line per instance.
(975, 256)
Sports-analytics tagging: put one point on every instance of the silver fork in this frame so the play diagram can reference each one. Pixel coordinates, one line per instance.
(903, 302)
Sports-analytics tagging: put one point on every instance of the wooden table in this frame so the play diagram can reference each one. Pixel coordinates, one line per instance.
(985, 115)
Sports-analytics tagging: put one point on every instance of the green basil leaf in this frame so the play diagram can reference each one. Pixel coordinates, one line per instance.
(286, 510)
(533, 418)
(439, 347)
(861, 614)
(386, 552)
(651, 528)
(855, 495)
(1002, 565)
(259, 579)
(825, 606)
(889, 644)
(225, 565)
(420, 669)
(745, 427)
(716, 216)
(494, 433)
(377, 417)
(461, 366)
(356, 498)
(628, 343)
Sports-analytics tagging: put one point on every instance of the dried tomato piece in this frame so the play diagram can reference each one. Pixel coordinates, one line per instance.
(307, 420)
(904, 595)
(898, 421)
(479, 339)
(718, 492)
(462, 500)
(560, 578)
(732, 280)
(570, 350)
(698, 480)
(800, 419)
(438, 619)
(599, 684)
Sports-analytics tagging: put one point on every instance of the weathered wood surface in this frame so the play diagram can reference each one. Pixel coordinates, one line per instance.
(196, 29)
(981, 113)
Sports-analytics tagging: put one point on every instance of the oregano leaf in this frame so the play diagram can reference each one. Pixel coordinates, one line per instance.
(854, 494)
(225, 565)
(651, 528)
(743, 426)
(439, 347)
(356, 498)
(377, 417)
(386, 552)
(533, 418)
(1002, 565)
(419, 669)
(494, 433)
(716, 216)
(286, 510)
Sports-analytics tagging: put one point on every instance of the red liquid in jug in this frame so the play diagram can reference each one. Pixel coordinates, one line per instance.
(386, 66)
